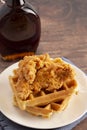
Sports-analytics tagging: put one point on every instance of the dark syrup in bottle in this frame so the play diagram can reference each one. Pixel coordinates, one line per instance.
(20, 29)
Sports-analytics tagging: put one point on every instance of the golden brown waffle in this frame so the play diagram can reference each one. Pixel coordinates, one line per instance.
(42, 86)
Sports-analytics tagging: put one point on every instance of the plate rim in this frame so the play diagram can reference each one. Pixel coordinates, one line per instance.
(12, 119)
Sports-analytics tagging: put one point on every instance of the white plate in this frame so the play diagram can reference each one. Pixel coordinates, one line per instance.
(76, 108)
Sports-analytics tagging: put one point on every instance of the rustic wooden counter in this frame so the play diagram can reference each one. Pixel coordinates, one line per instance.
(64, 30)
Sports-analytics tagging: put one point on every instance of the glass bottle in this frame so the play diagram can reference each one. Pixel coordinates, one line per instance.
(20, 29)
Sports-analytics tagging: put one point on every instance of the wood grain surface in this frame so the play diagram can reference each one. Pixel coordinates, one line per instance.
(63, 30)
(81, 126)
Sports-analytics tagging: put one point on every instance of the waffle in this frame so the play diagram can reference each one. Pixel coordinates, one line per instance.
(42, 86)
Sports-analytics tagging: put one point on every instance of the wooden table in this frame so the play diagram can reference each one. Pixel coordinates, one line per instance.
(64, 31)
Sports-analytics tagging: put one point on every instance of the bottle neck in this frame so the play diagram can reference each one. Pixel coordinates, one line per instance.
(15, 3)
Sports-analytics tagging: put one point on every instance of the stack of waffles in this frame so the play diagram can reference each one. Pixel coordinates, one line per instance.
(42, 85)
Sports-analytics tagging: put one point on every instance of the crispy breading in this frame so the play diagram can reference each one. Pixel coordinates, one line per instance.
(39, 78)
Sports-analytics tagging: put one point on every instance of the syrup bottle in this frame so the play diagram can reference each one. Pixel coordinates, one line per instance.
(20, 29)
